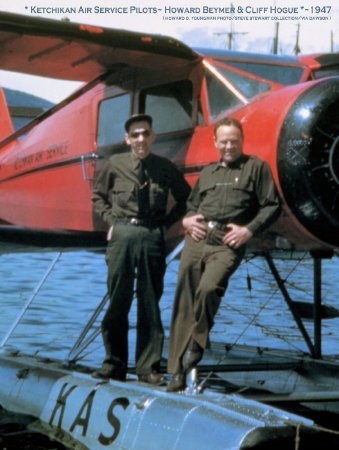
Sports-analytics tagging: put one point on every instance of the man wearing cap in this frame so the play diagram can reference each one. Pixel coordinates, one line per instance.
(233, 199)
(131, 195)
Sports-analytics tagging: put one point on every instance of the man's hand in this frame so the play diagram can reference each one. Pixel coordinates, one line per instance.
(195, 228)
(236, 235)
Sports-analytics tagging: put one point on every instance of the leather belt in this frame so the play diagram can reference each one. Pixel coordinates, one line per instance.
(134, 221)
(215, 225)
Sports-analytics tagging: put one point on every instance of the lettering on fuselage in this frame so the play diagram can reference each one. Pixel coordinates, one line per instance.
(40, 156)
(82, 416)
(55, 150)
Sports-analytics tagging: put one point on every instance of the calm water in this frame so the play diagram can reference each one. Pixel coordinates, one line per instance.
(73, 289)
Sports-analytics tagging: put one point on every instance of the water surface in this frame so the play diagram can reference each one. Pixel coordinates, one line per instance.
(252, 312)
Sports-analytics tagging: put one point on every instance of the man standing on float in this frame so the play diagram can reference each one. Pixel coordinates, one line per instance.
(131, 195)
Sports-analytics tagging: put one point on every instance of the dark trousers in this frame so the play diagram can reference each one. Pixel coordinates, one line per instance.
(135, 256)
(202, 281)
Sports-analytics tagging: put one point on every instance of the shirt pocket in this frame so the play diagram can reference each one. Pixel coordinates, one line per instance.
(245, 185)
(123, 193)
(158, 196)
(207, 188)
(244, 193)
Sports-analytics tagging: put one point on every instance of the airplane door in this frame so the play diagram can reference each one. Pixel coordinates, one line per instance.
(173, 108)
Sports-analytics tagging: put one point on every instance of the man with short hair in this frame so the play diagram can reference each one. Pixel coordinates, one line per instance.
(131, 195)
(232, 200)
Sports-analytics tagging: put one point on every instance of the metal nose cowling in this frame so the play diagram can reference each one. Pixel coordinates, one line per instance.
(308, 160)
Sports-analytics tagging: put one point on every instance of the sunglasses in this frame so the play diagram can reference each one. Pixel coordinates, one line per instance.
(144, 133)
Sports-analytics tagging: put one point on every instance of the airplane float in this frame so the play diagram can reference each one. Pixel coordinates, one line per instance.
(289, 108)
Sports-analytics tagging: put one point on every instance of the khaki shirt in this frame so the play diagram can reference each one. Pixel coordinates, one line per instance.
(115, 191)
(243, 193)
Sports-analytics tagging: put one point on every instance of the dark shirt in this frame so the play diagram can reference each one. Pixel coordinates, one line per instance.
(115, 192)
(243, 192)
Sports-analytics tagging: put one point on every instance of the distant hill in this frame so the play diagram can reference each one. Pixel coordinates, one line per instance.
(25, 107)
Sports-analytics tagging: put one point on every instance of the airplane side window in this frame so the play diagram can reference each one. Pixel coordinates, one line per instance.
(113, 113)
(170, 105)
(219, 97)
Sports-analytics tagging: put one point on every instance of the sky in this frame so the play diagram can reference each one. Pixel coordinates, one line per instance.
(199, 23)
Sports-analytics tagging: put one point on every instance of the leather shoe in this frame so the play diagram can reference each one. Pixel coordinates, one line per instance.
(154, 378)
(192, 356)
(177, 383)
(107, 374)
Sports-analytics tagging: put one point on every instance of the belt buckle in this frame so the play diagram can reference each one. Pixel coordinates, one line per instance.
(212, 224)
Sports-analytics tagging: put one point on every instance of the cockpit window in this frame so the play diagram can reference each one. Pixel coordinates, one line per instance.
(228, 87)
(250, 87)
(285, 75)
(219, 97)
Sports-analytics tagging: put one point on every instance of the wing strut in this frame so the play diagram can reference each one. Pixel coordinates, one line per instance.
(30, 300)
(314, 347)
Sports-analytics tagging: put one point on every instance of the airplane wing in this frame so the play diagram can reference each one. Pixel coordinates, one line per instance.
(78, 52)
